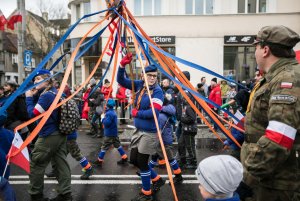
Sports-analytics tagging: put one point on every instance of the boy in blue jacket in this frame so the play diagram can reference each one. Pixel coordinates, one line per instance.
(110, 122)
(166, 121)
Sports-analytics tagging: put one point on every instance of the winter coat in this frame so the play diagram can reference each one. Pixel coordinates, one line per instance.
(110, 122)
(165, 123)
(215, 96)
(105, 91)
(121, 95)
(39, 104)
(234, 198)
(144, 120)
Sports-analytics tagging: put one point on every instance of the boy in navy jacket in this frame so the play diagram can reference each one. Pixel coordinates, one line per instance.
(110, 122)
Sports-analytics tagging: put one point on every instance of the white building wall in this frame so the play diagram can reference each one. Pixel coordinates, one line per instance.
(207, 52)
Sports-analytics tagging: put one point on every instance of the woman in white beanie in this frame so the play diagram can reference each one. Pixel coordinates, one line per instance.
(219, 176)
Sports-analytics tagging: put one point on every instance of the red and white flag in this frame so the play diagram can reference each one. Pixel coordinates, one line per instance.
(17, 17)
(22, 158)
(3, 21)
(241, 119)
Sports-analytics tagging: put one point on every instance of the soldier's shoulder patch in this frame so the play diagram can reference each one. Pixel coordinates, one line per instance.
(286, 85)
(283, 98)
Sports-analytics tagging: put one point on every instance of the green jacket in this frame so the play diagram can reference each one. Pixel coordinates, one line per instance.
(270, 154)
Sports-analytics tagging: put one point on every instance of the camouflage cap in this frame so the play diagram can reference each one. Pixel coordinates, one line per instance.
(277, 35)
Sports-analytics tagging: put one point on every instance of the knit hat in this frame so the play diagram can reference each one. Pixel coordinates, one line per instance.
(92, 81)
(41, 72)
(111, 103)
(187, 74)
(150, 68)
(11, 83)
(214, 80)
(220, 174)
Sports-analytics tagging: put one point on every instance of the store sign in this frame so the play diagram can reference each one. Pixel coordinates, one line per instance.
(160, 40)
(239, 40)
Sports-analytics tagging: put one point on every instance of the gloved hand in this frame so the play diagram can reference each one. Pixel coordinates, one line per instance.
(126, 60)
(134, 112)
(102, 116)
(225, 105)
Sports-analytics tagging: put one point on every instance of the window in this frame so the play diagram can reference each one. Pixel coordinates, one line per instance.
(199, 7)
(14, 58)
(138, 7)
(241, 61)
(87, 10)
(262, 6)
(241, 6)
(188, 6)
(147, 7)
(32, 62)
(251, 6)
(209, 6)
(157, 7)
(78, 15)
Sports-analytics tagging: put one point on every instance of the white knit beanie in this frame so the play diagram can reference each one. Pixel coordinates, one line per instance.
(220, 174)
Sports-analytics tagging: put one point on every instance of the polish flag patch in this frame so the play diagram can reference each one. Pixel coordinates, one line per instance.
(286, 85)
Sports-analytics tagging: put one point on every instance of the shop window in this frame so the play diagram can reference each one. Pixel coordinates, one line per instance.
(240, 62)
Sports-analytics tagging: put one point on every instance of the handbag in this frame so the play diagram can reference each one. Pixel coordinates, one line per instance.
(99, 110)
(189, 129)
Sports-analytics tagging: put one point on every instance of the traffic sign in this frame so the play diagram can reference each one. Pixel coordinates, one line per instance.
(27, 58)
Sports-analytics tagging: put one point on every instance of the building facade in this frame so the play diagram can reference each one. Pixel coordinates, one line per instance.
(216, 34)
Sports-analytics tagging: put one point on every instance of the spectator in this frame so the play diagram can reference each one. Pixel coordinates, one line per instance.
(215, 96)
(106, 88)
(224, 89)
(203, 81)
(219, 176)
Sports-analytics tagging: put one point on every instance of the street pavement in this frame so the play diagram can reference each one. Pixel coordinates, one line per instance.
(113, 182)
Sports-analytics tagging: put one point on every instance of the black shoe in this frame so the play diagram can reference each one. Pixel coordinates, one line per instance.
(138, 173)
(38, 197)
(157, 185)
(51, 174)
(97, 163)
(142, 197)
(90, 133)
(86, 175)
(122, 161)
(65, 197)
(94, 136)
(99, 136)
(178, 179)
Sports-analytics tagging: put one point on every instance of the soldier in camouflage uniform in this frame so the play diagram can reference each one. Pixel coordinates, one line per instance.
(270, 153)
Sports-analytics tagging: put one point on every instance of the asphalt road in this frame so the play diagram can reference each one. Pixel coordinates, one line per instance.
(112, 182)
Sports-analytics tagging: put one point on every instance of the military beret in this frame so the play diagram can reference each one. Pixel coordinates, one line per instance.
(150, 68)
(277, 35)
(42, 72)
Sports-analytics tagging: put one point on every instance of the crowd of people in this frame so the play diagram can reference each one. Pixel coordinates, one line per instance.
(266, 167)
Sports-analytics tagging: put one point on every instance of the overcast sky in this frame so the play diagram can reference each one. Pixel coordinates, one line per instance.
(8, 6)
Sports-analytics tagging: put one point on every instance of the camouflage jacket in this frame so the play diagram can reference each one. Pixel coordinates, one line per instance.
(270, 154)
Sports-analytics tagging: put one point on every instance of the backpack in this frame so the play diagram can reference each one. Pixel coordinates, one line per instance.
(69, 117)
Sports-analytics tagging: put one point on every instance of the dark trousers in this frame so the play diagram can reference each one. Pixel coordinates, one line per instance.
(186, 142)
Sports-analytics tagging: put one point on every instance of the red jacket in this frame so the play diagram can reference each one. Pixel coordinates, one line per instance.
(121, 95)
(105, 91)
(215, 96)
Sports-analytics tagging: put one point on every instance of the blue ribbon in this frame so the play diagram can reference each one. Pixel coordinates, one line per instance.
(20, 90)
(185, 62)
